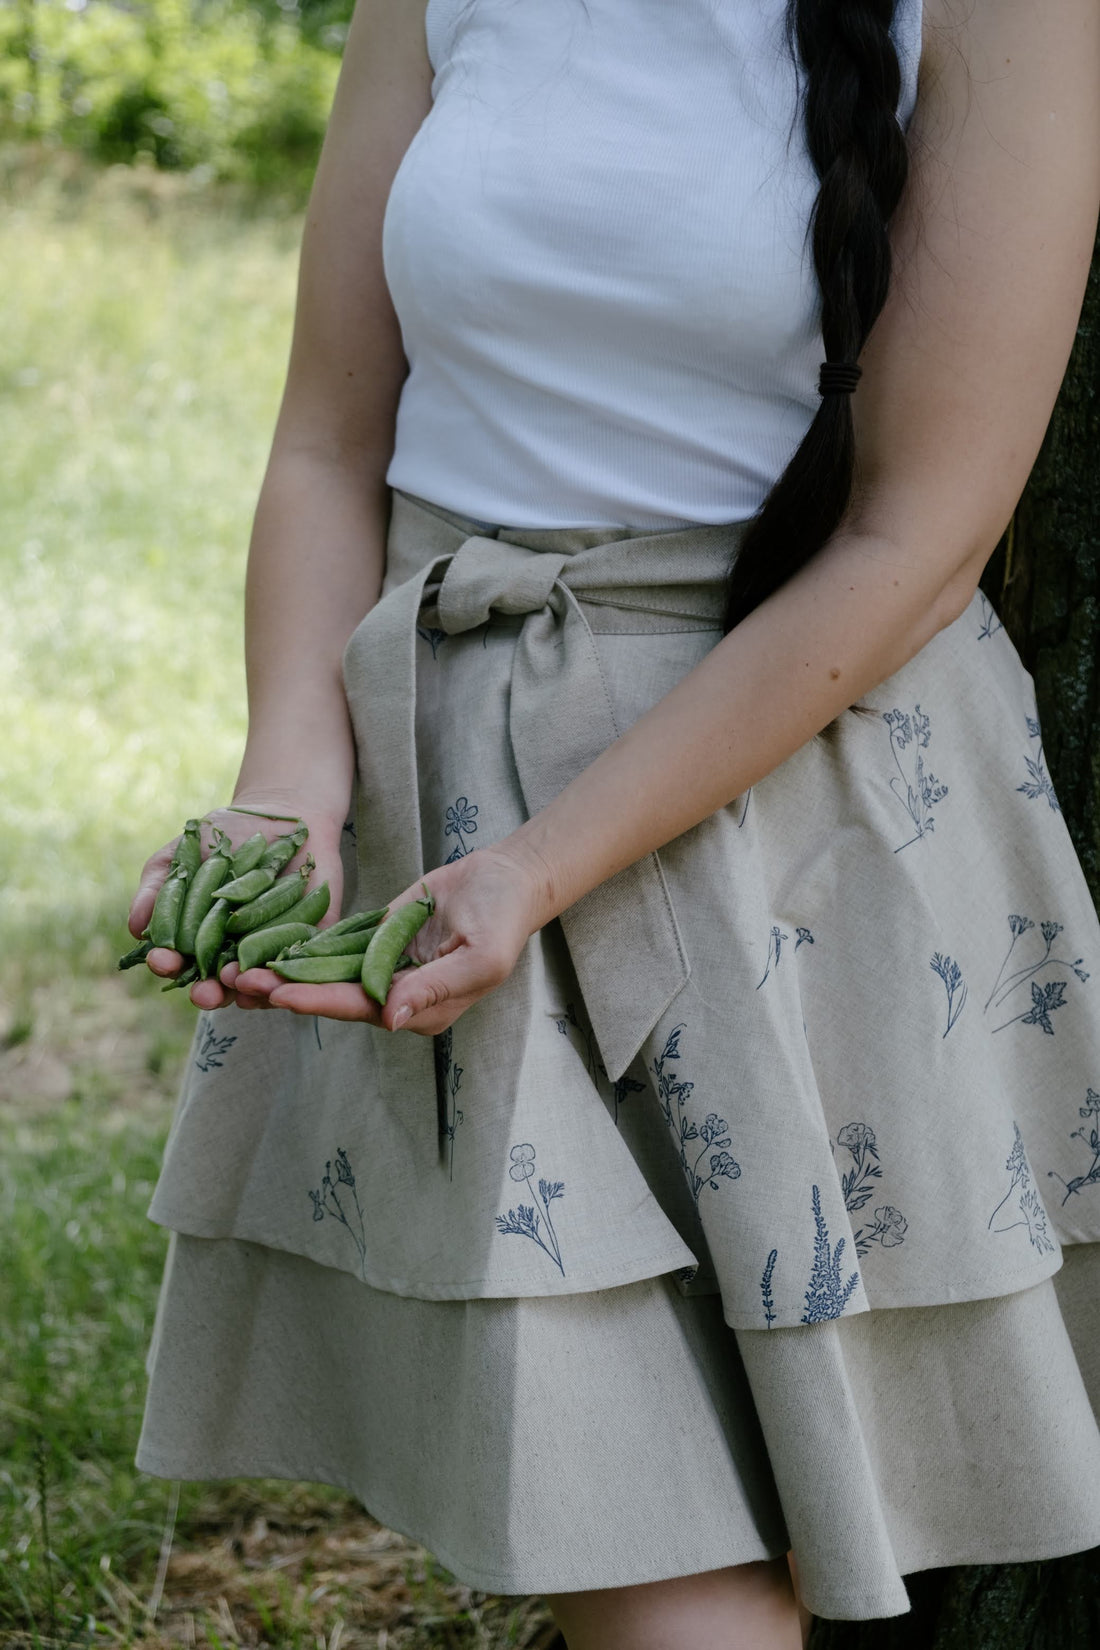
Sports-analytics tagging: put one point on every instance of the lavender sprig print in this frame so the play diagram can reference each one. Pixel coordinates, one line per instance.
(461, 822)
(990, 622)
(1045, 998)
(433, 637)
(672, 1091)
(826, 1294)
(953, 983)
(1089, 1135)
(448, 1081)
(326, 1201)
(524, 1221)
(1039, 782)
(1029, 1206)
(922, 790)
(212, 1048)
(766, 1288)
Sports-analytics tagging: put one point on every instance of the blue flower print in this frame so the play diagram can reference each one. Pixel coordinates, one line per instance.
(448, 1080)
(953, 983)
(1089, 1135)
(524, 1221)
(589, 1051)
(1029, 1206)
(1046, 997)
(889, 1226)
(775, 948)
(622, 1087)
(671, 1091)
(1038, 782)
(826, 1294)
(433, 637)
(461, 821)
(990, 622)
(326, 1201)
(766, 1288)
(921, 789)
(212, 1048)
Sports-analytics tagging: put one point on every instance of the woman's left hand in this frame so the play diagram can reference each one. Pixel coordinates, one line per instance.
(487, 904)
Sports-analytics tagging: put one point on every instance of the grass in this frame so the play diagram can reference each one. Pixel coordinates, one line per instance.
(144, 326)
(143, 337)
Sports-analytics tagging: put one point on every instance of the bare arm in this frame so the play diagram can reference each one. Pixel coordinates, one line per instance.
(317, 555)
(993, 244)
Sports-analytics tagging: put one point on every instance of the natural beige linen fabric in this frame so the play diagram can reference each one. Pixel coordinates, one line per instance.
(883, 1048)
(608, 1438)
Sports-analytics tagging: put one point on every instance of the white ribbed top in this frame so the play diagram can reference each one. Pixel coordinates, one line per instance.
(596, 247)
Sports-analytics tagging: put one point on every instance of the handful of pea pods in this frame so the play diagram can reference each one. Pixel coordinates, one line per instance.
(236, 905)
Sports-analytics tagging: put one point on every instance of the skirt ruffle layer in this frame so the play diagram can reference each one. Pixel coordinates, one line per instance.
(544, 1444)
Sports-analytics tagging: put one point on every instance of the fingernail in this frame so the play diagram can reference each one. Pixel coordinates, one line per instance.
(401, 1016)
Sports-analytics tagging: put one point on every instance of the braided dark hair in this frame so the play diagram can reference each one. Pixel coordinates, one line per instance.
(853, 81)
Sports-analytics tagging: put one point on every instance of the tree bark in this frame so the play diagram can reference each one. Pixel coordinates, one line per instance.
(1044, 582)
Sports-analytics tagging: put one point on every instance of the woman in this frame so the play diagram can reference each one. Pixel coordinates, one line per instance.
(702, 1214)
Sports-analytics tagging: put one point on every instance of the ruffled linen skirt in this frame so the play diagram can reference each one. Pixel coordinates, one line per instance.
(555, 1443)
(759, 1207)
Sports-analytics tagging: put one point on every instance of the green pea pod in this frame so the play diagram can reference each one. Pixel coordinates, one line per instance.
(201, 893)
(188, 853)
(389, 940)
(227, 954)
(275, 902)
(259, 948)
(311, 907)
(187, 977)
(361, 920)
(241, 889)
(137, 955)
(208, 940)
(328, 944)
(318, 970)
(279, 853)
(248, 855)
(164, 924)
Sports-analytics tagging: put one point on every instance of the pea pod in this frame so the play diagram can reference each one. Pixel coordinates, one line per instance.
(241, 889)
(208, 940)
(164, 924)
(248, 855)
(187, 977)
(259, 948)
(279, 853)
(311, 907)
(328, 944)
(318, 970)
(202, 892)
(137, 955)
(360, 920)
(389, 940)
(277, 901)
(188, 851)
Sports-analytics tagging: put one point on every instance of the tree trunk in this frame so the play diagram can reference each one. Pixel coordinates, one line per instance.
(1044, 582)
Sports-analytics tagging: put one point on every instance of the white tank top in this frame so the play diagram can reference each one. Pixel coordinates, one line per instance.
(596, 246)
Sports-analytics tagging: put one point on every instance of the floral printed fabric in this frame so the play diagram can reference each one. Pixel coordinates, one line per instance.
(875, 1082)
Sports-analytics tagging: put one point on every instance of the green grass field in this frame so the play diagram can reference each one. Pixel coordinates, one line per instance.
(143, 336)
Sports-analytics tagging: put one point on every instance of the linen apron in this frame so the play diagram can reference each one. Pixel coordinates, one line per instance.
(765, 1111)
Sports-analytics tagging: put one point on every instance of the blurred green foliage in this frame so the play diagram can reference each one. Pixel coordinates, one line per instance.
(239, 90)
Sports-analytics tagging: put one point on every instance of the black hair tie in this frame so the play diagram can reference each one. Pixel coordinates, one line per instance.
(838, 377)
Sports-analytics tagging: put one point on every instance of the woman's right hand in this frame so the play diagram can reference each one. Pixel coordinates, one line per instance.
(323, 843)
